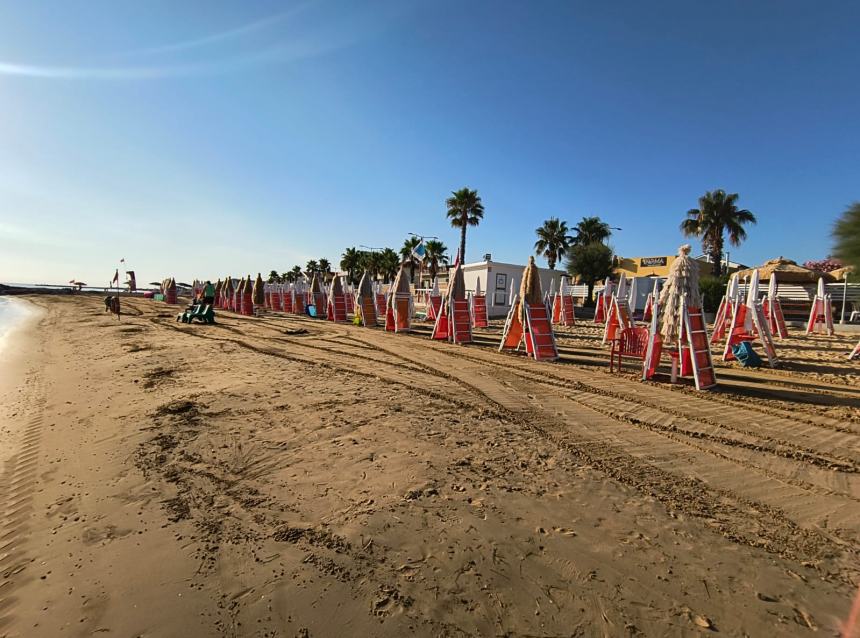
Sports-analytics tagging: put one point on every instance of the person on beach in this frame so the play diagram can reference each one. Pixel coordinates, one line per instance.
(208, 293)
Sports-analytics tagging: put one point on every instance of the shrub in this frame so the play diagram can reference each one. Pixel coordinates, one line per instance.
(712, 289)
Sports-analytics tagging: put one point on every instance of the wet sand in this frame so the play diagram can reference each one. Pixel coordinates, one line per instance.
(288, 477)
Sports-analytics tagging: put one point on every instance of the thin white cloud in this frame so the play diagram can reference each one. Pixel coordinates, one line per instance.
(135, 72)
(348, 29)
(223, 36)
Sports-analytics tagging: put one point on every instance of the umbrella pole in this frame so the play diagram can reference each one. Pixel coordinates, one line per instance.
(844, 295)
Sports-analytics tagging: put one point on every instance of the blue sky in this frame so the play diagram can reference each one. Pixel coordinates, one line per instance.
(201, 138)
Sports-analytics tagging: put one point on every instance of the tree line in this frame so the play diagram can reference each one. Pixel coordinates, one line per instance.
(584, 251)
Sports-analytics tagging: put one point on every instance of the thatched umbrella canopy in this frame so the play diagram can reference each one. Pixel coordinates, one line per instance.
(683, 280)
(839, 273)
(259, 291)
(456, 284)
(786, 270)
(530, 291)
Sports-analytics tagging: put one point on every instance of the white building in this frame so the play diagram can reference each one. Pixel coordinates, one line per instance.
(496, 279)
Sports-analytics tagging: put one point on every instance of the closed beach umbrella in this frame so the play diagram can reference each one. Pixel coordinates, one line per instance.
(733, 292)
(683, 280)
(401, 281)
(632, 294)
(259, 291)
(336, 287)
(621, 291)
(752, 289)
(457, 284)
(365, 287)
(530, 290)
(752, 299)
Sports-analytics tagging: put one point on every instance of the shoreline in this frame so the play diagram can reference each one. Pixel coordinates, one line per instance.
(21, 355)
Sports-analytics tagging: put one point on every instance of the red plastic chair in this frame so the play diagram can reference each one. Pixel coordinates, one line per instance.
(632, 344)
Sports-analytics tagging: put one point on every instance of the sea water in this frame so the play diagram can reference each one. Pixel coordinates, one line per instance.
(13, 312)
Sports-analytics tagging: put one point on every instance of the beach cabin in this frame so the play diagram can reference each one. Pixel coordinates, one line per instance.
(496, 278)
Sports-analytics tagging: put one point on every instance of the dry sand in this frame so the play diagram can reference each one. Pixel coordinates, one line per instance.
(289, 477)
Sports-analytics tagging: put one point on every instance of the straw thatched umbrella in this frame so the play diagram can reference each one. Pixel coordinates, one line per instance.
(683, 280)
(839, 273)
(259, 291)
(530, 291)
(787, 270)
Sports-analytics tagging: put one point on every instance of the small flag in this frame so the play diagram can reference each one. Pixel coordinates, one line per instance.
(115, 277)
(419, 252)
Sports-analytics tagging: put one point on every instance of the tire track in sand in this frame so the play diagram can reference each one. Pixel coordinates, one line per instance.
(18, 483)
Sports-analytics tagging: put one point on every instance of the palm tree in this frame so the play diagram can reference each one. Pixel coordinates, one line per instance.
(590, 263)
(274, 277)
(294, 274)
(311, 267)
(553, 241)
(434, 255)
(324, 265)
(717, 214)
(372, 262)
(847, 235)
(409, 244)
(389, 264)
(464, 209)
(590, 230)
(350, 261)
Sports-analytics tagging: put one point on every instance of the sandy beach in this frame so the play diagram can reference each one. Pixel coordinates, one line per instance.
(281, 476)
